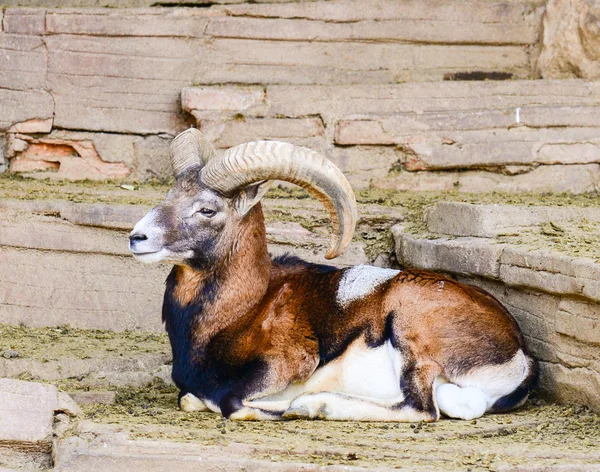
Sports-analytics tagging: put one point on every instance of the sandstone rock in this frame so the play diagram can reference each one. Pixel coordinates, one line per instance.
(444, 31)
(418, 181)
(27, 413)
(540, 280)
(22, 62)
(34, 125)
(24, 108)
(151, 158)
(274, 62)
(204, 101)
(25, 21)
(355, 10)
(363, 165)
(123, 22)
(465, 219)
(571, 178)
(463, 255)
(571, 40)
(139, 97)
(234, 132)
(579, 320)
(103, 292)
(65, 159)
(98, 371)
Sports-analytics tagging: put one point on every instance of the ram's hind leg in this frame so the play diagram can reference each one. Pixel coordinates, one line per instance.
(418, 403)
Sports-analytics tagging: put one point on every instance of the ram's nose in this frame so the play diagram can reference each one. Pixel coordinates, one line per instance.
(136, 238)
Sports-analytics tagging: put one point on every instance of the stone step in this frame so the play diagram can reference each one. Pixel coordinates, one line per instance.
(466, 219)
(28, 414)
(502, 136)
(550, 287)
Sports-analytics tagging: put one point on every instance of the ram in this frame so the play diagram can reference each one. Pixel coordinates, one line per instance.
(260, 338)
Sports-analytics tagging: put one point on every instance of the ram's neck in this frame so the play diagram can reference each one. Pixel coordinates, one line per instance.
(232, 289)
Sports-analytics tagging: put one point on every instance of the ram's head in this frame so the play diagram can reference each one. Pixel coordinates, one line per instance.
(199, 219)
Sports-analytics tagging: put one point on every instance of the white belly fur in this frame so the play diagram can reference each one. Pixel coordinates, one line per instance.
(361, 371)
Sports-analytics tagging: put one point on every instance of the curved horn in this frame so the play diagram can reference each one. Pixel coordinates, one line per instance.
(190, 148)
(272, 160)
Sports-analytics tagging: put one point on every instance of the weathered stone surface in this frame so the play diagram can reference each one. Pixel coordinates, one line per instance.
(541, 280)
(571, 40)
(93, 398)
(151, 158)
(418, 181)
(363, 165)
(140, 22)
(115, 452)
(300, 62)
(440, 31)
(571, 178)
(25, 21)
(137, 82)
(343, 101)
(22, 62)
(20, 106)
(443, 141)
(27, 412)
(465, 219)
(103, 292)
(65, 159)
(355, 10)
(204, 101)
(579, 320)
(97, 371)
(234, 132)
(464, 255)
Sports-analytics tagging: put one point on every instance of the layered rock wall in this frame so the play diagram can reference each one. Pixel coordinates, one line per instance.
(95, 93)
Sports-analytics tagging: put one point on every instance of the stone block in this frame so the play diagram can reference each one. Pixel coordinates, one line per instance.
(465, 219)
(24, 108)
(22, 62)
(571, 386)
(418, 181)
(25, 21)
(440, 31)
(570, 178)
(355, 10)
(579, 320)
(570, 42)
(151, 158)
(64, 159)
(363, 164)
(136, 89)
(540, 280)
(180, 22)
(545, 261)
(205, 101)
(27, 413)
(461, 255)
(296, 62)
(418, 99)
(103, 292)
(93, 398)
(234, 132)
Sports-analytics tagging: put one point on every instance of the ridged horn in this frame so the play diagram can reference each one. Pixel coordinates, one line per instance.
(273, 160)
(190, 148)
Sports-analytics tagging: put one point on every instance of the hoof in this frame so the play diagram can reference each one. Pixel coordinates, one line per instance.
(298, 413)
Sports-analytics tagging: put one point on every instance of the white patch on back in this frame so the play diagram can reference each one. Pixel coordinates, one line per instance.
(360, 281)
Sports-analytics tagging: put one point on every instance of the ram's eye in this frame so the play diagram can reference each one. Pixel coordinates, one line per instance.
(207, 212)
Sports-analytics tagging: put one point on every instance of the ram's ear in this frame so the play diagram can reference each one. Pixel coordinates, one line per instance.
(250, 196)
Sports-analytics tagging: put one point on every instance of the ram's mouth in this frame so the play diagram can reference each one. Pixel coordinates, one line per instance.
(150, 256)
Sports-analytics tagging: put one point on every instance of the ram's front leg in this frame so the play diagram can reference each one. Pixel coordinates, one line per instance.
(261, 379)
